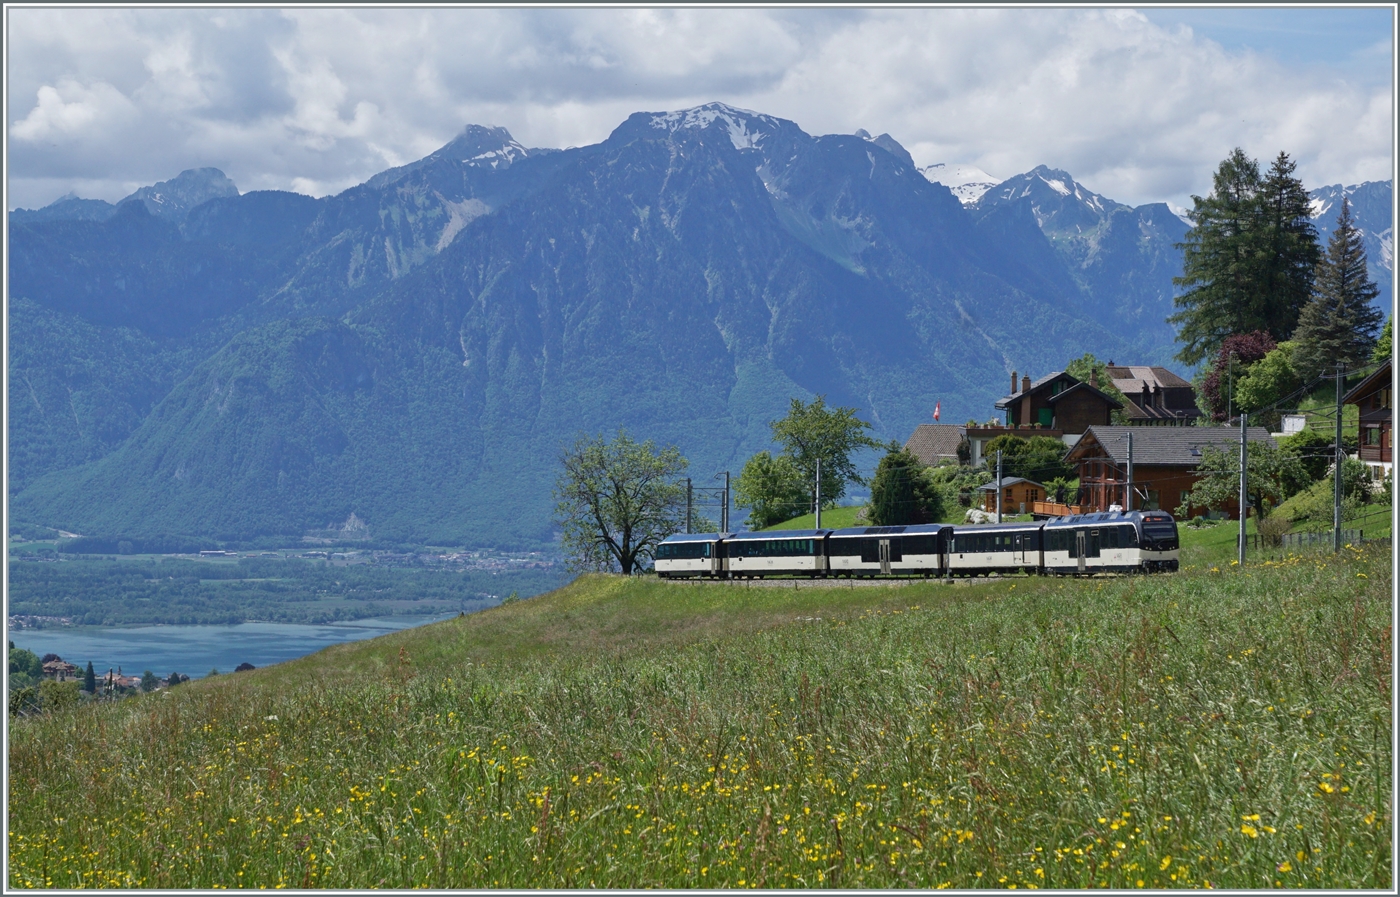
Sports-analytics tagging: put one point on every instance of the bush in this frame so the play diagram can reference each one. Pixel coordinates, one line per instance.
(1272, 528)
(55, 696)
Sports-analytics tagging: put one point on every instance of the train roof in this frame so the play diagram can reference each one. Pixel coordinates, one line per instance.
(998, 527)
(916, 529)
(1109, 517)
(781, 534)
(695, 537)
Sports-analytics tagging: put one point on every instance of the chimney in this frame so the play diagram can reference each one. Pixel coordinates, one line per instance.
(1013, 382)
(1159, 397)
(1146, 398)
(1025, 384)
(1094, 378)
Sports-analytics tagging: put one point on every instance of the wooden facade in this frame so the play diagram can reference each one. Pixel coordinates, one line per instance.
(1163, 468)
(1372, 398)
(1057, 402)
(1018, 495)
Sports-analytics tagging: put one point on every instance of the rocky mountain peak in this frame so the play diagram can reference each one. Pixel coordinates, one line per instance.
(174, 198)
(746, 129)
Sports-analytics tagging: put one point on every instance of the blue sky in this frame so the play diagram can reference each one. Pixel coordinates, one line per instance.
(1342, 39)
(1139, 106)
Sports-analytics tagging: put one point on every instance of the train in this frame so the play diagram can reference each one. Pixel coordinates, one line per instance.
(1078, 545)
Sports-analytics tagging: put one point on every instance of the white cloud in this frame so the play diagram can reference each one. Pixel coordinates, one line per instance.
(319, 99)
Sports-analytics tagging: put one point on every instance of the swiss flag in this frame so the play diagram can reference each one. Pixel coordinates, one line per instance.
(936, 407)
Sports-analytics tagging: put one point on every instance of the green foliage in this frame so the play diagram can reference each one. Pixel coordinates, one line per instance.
(616, 501)
(1248, 260)
(1312, 449)
(772, 489)
(812, 432)
(149, 681)
(1383, 352)
(1038, 458)
(57, 696)
(25, 663)
(958, 484)
(90, 679)
(1339, 324)
(1316, 503)
(1265, 384)
(522, 743)
(1084, 367)
(902, 494)
(1274, 474)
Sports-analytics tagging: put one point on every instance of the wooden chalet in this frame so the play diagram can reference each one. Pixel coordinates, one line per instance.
(1058, 405)
(1372, 398)
(1018, 495)
(1164, 464)
(1156, 396)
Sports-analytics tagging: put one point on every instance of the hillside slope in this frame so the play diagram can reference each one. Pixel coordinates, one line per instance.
(1223, 728)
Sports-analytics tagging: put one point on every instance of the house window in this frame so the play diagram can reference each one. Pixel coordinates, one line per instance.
(1373, 435)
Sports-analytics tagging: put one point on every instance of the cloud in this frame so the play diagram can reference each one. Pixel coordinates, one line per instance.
(320, 99)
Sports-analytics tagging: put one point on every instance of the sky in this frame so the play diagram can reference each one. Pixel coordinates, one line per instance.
(1139, 106)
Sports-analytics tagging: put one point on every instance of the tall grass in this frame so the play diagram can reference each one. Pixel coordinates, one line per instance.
(1229, 728)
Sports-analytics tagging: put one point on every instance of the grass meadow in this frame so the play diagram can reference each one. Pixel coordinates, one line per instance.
(1220, 727)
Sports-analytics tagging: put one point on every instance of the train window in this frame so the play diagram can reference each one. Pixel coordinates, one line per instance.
(920, 545)
(1129, 537)
(678, 551)
(870, 551)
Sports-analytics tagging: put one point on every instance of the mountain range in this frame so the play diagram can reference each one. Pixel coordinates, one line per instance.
(408, 357)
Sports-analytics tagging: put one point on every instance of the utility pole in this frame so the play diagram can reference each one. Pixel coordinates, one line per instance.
(1244, 513)
(1337, 472)
(724, 527)
(998, 485)
(1128, 499)
(818, 508)
(689, 501)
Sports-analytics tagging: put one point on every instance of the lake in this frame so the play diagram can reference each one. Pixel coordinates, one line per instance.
(194, 650)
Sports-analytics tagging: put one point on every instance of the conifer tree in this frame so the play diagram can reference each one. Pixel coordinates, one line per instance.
(1292, 249)
(1248, 260)
(1381, 354)
(1339, 324)
(90, 680)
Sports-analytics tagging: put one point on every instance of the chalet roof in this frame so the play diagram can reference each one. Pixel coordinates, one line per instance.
(1161, 446)
(932, 442)
(1378, 380)
(1112, 402)
(1044, 383)
(1035, 385)
(1008, 481)
(1131, 378)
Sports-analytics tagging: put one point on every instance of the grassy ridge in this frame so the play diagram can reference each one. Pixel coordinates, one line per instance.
(1230, 728)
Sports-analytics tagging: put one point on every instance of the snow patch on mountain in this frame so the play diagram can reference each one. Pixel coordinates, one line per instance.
(746, 129)
(967, 182)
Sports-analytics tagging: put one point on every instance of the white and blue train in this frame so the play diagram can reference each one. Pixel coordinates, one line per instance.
(1085, 544)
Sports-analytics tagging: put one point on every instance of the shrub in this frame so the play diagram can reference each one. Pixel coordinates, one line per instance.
(1272, 528)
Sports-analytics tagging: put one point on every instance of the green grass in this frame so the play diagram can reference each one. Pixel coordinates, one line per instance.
(1229, 728)
(832, 518)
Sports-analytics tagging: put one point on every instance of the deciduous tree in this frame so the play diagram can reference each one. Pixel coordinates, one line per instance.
(812, 432)
(1274, 475)
(773, 490)
(615, 501)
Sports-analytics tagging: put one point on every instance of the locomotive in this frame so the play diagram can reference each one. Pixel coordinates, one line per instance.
(1079, 545)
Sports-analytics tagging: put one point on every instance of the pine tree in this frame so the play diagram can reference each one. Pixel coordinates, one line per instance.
(1339, 324)
(1248, 260)
(90, 680)
(1293, 253)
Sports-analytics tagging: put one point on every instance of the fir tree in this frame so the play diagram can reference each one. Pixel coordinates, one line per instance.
(900, 494)
(1339, 324)
(1381, 354)
(1292, 250)
(1248, 260)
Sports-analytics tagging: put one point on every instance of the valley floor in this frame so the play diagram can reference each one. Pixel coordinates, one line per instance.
(1219, 727)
